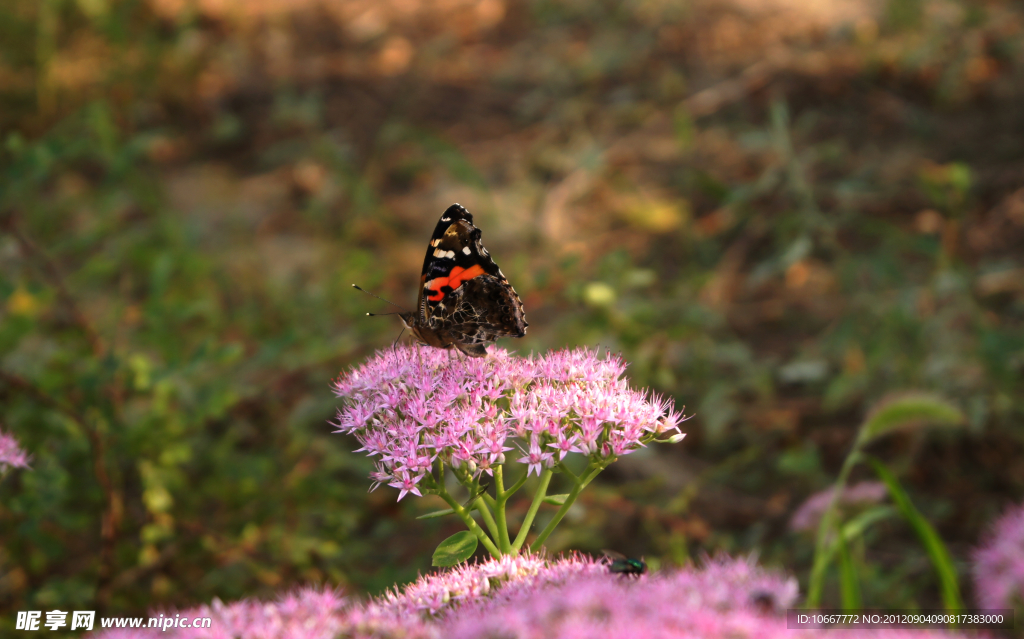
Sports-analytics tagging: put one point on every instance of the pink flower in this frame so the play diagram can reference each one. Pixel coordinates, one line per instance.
(563, 445)
(809, 513)
(414, 405)
(406, 483)
(999, 563)
(11, 454)
(535, 458)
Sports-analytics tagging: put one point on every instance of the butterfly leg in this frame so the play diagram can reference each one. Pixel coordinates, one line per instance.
(394, 346)
(472, 350)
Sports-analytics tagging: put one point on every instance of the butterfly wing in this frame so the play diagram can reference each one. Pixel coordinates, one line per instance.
(464, 297)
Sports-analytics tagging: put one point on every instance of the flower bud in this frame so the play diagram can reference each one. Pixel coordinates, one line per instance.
(675, 439)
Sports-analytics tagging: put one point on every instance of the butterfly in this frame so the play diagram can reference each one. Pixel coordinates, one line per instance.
(465, 301)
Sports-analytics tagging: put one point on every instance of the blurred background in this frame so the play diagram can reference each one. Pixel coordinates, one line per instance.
(779, 211)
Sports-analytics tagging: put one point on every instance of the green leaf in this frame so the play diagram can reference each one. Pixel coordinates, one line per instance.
(849, 589)
(455, 550)
(437, 513)
(909, 411)
(930, 539)
(556, 500)
(856, 527)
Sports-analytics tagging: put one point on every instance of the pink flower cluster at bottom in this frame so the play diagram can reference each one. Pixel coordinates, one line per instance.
(528, 597)
(999, 562)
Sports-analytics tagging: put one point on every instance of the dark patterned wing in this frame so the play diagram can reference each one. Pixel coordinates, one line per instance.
(481, 310)
(455, 215)
(436, 263)
(464, 296)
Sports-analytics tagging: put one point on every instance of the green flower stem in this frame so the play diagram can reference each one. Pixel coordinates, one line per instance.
(516, 486)
(565, 469)
(480, 503)
(466, 480)
(499, 480)
(472, 485)
(538, 497)
(499, 509)
(485, 514)
(464, 515)
(486, 498)
(821, 554)
(593, 473)
(586, 477)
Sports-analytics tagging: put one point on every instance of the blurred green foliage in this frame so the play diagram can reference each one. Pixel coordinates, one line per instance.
(779, 215)
(892, 415)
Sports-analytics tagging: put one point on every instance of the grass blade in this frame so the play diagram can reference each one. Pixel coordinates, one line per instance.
(849, 589)
(908, 411)
(857, 526)
(930, 539)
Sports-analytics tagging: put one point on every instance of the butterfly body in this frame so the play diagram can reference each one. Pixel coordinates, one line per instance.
(465, 301)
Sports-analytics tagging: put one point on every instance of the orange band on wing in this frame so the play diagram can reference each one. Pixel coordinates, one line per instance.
(453, 281)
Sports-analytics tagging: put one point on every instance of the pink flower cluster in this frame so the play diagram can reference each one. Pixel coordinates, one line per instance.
(309, 613)
(496, 579)
(861, 494)
(415, 611)
(526, 597)
(594, 603)
(729, 599)
(999, 563)
(413, 405)
(11, 455)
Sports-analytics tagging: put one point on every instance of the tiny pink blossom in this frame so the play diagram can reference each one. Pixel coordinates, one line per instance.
(11, 454)
(406, 483)
(535, 458)
(563, 445)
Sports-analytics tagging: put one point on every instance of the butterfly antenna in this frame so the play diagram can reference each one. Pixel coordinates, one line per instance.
(358, 288)
(395, 345)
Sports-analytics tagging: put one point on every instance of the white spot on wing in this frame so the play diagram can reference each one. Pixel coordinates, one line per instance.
(443, 253)
(446, 219)
(435, 242)
(465, 249)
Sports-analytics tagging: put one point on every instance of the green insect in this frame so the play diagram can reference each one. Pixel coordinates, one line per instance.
(622, 565)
